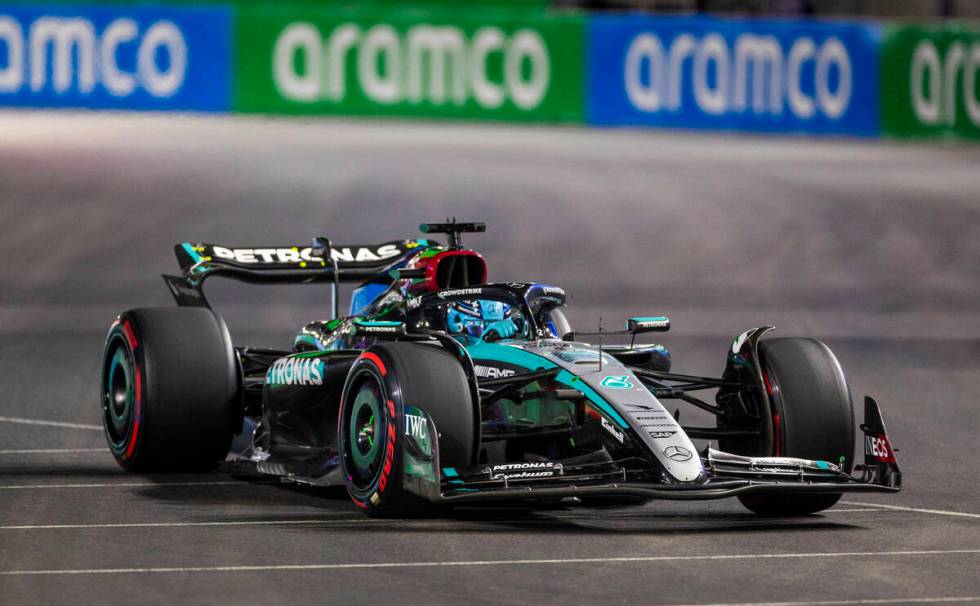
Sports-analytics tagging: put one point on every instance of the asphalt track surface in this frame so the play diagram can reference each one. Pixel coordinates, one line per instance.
(873, 247)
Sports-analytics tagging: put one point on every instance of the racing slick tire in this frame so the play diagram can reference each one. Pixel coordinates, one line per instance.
(171, 396)
(813, 417)
(371, 426)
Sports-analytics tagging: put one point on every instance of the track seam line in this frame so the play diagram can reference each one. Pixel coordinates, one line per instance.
(846, 602)
(523, 562)
(180, 524)
(50, 450)
(120, 485)
(23, 421)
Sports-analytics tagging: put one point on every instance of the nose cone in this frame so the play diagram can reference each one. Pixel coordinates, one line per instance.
(655, 426)
(639, 409)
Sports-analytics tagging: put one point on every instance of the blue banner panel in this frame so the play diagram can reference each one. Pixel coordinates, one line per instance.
(733, 74)
(146, 58)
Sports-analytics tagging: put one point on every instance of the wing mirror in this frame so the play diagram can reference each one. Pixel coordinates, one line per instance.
(367, 328)
(653, 324)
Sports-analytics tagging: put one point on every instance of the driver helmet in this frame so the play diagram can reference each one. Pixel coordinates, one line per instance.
(473, 317)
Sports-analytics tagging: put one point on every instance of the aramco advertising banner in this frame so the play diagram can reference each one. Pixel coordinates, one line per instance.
(115, 57)
(930, 81)
(468, 63)
(393, 59)
(733, 74)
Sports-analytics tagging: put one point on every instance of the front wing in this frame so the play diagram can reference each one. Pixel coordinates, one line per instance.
(726, 475)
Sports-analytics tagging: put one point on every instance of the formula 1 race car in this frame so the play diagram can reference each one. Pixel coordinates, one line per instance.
(440, 388)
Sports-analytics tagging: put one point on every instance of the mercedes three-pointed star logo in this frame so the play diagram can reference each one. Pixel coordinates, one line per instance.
(677, 453)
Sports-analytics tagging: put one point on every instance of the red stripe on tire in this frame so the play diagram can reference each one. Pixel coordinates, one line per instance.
(377, 361)
(775, 433)
(136, 421)
(130, 335)
(775, 416)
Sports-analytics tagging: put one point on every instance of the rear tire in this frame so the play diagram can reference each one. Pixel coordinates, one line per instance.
(171, 397)
(381, 383)
(812, 418)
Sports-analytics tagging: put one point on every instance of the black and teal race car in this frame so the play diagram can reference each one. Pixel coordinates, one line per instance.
(440, 388)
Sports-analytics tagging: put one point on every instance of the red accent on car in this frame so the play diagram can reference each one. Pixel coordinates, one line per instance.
(377, 362)
(444, 270)
(880, 448)
(130, 335)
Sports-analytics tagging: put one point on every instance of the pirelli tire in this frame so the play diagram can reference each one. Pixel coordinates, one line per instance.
(371, 426)
(812, 414)
(171, 390)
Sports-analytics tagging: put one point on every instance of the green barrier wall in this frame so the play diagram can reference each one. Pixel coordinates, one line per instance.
(930, 81)
(465, 64)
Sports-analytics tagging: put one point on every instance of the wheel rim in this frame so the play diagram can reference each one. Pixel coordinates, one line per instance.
(364, 435)
(118, 393)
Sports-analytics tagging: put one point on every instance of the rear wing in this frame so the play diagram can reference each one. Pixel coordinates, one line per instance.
(321, 262)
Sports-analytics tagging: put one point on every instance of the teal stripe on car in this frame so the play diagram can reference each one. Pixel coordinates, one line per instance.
(567, 378)
(193, 253)
(510, 355)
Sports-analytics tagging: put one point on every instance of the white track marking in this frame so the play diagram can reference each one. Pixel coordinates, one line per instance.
(941, 512)
(847, 602)
(300, 567)
(52, 450)
(119, 485)
(360, 520)
(50, 423)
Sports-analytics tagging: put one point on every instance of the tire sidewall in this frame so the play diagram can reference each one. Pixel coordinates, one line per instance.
(810, 421)
(386, 485)
(122, 334)
(423, 375)
(789, 426)
(188, 389)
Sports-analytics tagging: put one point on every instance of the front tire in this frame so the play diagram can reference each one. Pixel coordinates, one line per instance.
(171, 397)
(812, 417)
(381, 383)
